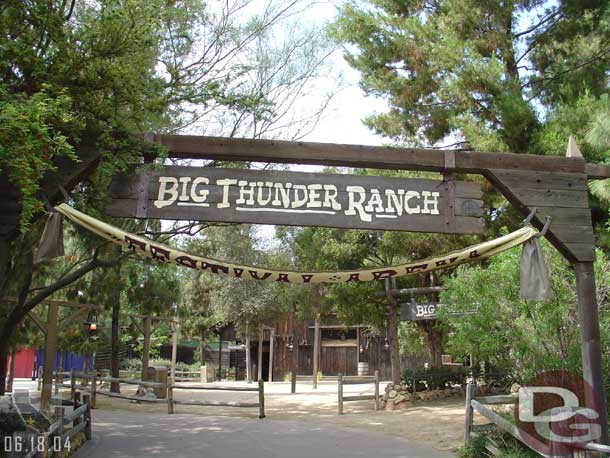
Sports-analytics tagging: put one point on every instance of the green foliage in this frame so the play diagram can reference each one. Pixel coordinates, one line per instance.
(30, 138)
(517, 336)
(484, 73)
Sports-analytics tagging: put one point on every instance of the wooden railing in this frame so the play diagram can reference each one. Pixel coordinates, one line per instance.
(479, 405)
(171, 402)
(356, 380)
(94, 390)
(57, 439)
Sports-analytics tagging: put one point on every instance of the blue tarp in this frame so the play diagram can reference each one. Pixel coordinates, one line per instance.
(71, 361)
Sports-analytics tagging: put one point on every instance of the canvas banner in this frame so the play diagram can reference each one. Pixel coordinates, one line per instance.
(163, 253)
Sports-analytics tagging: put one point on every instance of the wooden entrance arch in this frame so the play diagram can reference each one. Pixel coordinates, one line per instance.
(556, 186)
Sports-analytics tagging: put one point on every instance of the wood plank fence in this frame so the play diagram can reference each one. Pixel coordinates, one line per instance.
(480, 404)
(357, 380)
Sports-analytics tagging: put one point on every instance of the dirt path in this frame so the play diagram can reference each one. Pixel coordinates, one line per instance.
(121, 434)
(438, 424)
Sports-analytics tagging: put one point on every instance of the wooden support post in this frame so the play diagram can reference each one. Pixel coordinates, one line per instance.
(220, 356)
(59, 416)
(271, 339)
(40, 377)
(340, 394)
(377, 390)
(590, 343)
(146, 347)
(261, 398)
(87, 400)
(293, 381)
(93, 387)
(248, 356)
(316, 351)
(393, 311)
(59, 379)
(469, 412)
(75, 405)
(49, 356)
(72, 383)
(259, 368)
(170, 398)
(174, 351)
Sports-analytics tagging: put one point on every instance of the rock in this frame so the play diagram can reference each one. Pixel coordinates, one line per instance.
(389, 406)
(392, 394)
(398, 399)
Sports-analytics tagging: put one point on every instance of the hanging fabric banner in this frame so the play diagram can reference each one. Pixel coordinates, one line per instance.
(163, 253)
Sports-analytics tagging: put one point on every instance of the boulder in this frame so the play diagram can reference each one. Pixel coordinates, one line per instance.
(392, 394)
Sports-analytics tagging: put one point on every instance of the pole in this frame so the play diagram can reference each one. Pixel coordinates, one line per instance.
(248, 356)
(146, 347)
(220, 356)
(261, 398)
(390, 283)
(271, 338)
(469, 413)
(174, 350)
(590, 343)
(376, 390)
(340, 394)
(260, 352)
(316, 350)
(49, 356)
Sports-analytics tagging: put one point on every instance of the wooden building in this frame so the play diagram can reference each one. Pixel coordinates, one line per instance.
(343, 349)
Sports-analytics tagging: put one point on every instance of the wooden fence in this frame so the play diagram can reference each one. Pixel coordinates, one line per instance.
(356, 380)
(479, 405)
(56, 440)
(171, 402)
(94, 390)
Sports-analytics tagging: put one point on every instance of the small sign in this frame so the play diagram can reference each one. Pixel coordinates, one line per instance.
(412, 311)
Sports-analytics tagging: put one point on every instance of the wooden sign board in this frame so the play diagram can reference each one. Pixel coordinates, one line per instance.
(298, 199)
(411, 311)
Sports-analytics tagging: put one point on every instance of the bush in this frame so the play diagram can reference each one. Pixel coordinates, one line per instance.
(432, 379)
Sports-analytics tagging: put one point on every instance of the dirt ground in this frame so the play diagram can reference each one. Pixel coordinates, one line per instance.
(435, 423)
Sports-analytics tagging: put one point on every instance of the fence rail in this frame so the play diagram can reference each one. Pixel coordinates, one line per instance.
(479, 405)
(56, 439)
(94, 390)
(357, 380)
(171, 402)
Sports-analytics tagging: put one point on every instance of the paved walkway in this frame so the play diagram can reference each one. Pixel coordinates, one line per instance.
(143, 435)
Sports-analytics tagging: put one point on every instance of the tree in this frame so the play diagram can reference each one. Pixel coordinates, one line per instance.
(484, 74)
(520, 337)
(77, 75)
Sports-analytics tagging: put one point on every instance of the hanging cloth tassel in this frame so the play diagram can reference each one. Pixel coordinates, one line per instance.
(52, 241)
(535, 282)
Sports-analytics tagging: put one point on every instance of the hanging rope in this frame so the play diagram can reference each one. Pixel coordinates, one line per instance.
(163, 253)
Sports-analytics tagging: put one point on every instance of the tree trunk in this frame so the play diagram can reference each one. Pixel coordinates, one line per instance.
(11, 371)
(393, 311)
(434, 343)
(4, 351)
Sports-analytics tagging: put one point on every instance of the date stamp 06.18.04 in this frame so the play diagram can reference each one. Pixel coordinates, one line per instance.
(25, 442)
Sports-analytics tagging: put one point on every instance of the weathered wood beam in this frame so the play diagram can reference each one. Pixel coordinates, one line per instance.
(380, 157)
